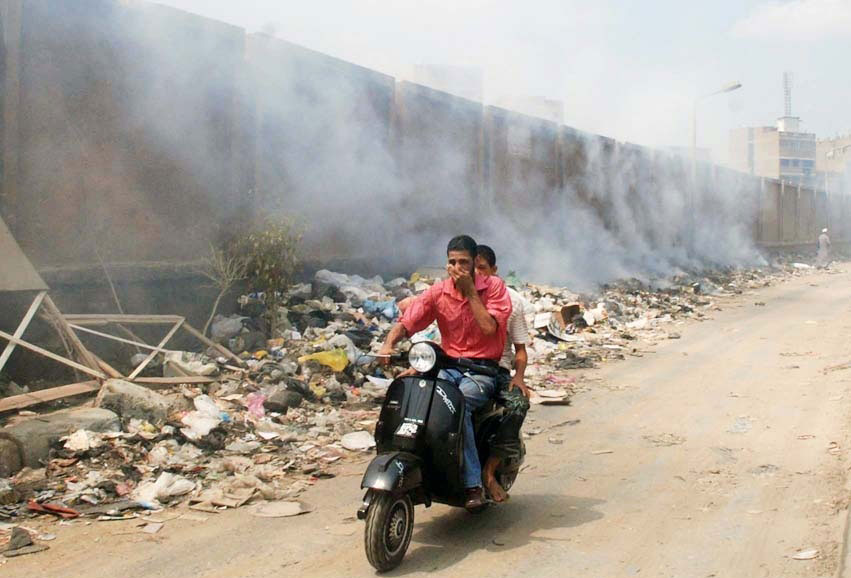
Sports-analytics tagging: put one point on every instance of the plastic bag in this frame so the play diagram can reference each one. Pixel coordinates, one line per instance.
(336, 359)
(254, 402)
(206, 416)
(343, 342)
(167, 486)
(387, 309)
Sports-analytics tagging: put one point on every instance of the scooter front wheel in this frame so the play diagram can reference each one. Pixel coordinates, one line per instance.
(389, 525)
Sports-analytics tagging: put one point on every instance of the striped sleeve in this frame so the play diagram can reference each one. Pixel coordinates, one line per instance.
(518, 329)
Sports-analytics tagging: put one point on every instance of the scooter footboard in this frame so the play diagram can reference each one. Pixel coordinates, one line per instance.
(397, 472)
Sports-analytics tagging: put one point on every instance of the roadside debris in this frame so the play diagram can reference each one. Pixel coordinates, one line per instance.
(280, 509)
(21, 543)
(665, 440)
(806, 554)
(309, 394)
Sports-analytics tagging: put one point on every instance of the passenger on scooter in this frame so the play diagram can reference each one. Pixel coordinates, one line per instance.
(512, 393)
(472, 314)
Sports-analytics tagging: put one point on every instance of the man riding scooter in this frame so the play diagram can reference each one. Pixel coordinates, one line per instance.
(472, 314)
(511, 392)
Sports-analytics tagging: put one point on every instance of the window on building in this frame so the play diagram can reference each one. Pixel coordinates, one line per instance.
(784, 162)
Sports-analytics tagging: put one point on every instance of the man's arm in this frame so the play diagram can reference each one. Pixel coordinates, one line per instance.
(521, 359)
(483, 318)
(396, 333)
(418, 314)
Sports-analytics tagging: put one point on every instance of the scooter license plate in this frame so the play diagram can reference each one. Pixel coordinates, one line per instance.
(407, 430)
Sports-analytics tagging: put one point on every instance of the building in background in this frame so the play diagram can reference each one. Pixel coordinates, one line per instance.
(833, 163)
(779, 152)
(782, 152)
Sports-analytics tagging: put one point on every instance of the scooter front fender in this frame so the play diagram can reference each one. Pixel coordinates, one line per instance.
(396, 472)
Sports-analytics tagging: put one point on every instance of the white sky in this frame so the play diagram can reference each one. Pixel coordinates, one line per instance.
(629, 70)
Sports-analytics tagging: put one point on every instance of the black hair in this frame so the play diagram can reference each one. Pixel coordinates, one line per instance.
(487, 254)
(462, 243)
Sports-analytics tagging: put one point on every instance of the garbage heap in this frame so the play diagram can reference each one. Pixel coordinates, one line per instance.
(308, 396)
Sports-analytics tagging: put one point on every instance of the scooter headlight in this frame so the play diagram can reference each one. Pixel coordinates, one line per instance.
(422, 357)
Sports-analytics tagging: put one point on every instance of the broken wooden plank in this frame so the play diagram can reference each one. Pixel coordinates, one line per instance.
(84, 354)
(153, 354)
(138, 344)
(99, 318)
(107, 368)
(22, 327)
(189, 379)
(209, 343)
(27, 399)
(51, 355)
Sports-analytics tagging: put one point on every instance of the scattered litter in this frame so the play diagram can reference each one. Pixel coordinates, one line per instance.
(665, 439)
(342, 530)
(21, 543)
(839, 367)
(765, 470)
(166, 486)
(358, 441)
(380, 382)
(806, 555)
(601, 452)
(336, 359)
(280, 509)
(152, 528)
(309, 393)
(565, 423)
(83, 441)
(741, 425)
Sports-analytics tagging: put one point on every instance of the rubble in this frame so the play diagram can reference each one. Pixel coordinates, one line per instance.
(309, 395)
(36, 435)
(132, 401)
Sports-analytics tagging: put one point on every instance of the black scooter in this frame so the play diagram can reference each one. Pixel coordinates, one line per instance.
(419, 443)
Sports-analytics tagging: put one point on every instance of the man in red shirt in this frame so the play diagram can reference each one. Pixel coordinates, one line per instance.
(472, 313)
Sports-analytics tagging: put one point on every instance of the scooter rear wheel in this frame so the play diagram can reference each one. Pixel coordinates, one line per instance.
(389, 525)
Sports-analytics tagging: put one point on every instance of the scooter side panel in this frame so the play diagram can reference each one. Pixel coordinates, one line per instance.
(444, 440)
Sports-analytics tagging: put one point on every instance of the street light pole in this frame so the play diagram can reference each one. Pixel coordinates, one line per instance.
(726, 88)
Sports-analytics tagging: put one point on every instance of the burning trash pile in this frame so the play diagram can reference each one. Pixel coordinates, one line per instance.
(308, 395)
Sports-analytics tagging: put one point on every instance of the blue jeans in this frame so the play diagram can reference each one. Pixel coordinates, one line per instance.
(477, 390)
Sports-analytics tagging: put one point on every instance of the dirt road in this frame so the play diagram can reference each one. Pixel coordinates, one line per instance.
(723, 453)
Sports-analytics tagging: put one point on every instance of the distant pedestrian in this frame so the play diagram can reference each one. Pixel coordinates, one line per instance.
(823, 259)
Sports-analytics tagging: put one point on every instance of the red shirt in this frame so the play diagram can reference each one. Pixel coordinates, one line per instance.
(460, 334)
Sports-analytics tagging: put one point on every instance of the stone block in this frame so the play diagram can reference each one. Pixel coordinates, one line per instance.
(35, 435)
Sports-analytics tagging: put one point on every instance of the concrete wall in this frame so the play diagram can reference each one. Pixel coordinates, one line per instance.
(126, 145)
(140, 133)
(523, 159)
(438, 147)
(322, 131)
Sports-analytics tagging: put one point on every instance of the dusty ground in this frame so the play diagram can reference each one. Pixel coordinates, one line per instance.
(728, 452)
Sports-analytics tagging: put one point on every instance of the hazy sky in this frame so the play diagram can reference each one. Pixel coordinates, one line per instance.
(629, 70)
